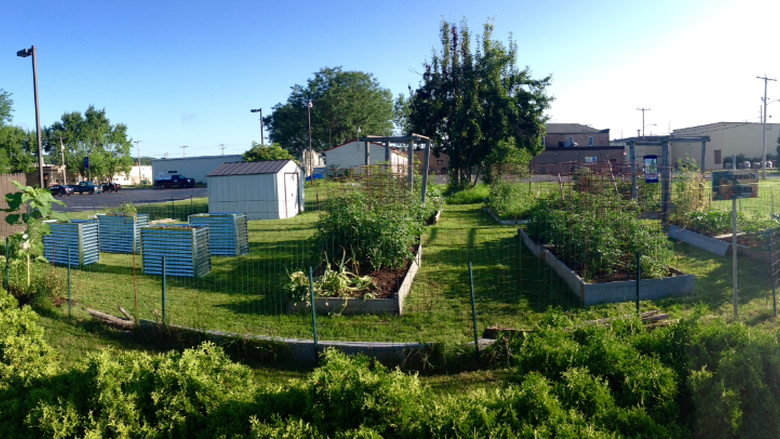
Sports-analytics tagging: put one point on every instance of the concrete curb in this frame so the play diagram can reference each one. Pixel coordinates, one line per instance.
(611, 292)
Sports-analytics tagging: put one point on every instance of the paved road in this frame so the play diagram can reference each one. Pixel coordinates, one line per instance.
(77, 202)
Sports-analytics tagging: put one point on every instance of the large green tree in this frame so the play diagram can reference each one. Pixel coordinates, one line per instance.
(6, 108)
(471, 103)
(90, 135)
(342, 102)
(17, 145)
(260, 153)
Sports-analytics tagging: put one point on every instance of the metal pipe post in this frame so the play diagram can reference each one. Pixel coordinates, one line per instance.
(70, 295)
(638, 278)
(313, 312)
(734, 249)
(772, 248)
(7, 266)
(164, 289)
(426, 163)
(632, 155)
(474, 312)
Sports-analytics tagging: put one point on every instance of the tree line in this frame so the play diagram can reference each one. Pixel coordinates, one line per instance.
(75, 137)
(476, 104)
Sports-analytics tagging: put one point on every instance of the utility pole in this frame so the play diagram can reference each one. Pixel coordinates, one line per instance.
(222, 145)
(763, 116)
(138, 147)
(643, 119)
(182, 150)
(64, 168)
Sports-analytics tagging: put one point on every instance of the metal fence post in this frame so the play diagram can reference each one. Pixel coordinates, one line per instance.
(164, 288)
(638, 277)
(7, 266)
(474, 312)
(772, 260)
(70, 297)
(313, 311)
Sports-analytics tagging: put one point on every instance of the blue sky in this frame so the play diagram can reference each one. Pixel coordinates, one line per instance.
(187, 73)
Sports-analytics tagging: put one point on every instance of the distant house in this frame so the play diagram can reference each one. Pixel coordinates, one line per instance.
(566, 135)
(436, 165)
(575, 143)
(262, 190)
(355, 154)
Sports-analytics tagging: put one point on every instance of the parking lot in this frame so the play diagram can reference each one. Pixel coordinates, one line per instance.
(76, 203)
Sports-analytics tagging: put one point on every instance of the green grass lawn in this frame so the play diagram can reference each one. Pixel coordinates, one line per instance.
(243, 295)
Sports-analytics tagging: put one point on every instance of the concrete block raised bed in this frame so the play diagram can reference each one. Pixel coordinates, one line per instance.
(706, 243)
(395, 305)
(720, 245)
(610, 292)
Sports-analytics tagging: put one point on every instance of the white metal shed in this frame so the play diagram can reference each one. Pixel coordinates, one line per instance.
(262, 190)
(353, 154)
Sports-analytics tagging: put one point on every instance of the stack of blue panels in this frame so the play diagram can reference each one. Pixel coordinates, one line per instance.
(184, 246)
(80, 236)
(120, 233)
(228, 234)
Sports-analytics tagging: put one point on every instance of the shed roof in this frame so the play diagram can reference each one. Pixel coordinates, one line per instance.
(249, 168)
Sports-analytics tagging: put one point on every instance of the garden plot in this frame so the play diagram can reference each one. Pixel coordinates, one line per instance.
(592, 242)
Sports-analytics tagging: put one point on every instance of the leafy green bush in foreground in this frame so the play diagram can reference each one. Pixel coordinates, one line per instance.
(694, 379)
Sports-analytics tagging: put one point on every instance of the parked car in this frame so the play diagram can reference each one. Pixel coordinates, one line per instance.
(174, 180)
(111, 187)
(88, 187)
(61, 190)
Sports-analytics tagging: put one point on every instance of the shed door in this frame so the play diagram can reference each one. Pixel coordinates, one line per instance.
(290, 194)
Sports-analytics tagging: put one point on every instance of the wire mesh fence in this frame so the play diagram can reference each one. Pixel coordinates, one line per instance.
(360, 232)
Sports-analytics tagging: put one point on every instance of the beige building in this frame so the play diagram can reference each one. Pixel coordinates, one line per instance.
(726, 139)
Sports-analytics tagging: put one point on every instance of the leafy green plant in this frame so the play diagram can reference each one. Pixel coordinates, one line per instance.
(374, 224)
(38, 205)
(599, 235)
(332, 283)
(510, 200)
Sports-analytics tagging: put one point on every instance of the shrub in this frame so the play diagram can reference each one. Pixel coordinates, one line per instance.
(598, 236)
(467, 195)
(369, 226)
(510, 200)
(349, 392)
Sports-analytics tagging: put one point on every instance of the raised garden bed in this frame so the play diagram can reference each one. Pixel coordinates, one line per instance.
(80, 236)
(616, 291)
(356, 305)
(228, 232)
(121, 233)
(185, 248)
(719, 245)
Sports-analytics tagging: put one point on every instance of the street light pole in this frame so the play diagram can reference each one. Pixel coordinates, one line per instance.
(24, 53)
(262, 136)
(311, 156)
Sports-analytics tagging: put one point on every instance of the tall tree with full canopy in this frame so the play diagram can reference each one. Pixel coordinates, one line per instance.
(471, 104)
(18, 147)
(342, 102)
(90, 135)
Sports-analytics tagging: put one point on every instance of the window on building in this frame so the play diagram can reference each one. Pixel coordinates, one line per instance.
(544, 142)
(571, 141)
(717, 157)
(590, 140)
